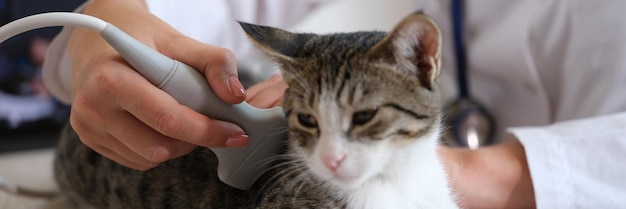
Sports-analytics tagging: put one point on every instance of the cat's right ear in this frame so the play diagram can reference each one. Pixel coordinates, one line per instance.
(276, 42)
(414, 45)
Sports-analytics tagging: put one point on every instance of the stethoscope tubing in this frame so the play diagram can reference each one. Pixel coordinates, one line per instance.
(465, 104)
(457, 10)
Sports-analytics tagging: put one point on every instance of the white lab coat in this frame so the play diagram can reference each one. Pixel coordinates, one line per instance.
(541, 62)
(552, 71)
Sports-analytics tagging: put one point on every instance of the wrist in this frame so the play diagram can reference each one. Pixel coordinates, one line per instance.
(520, 187)
(106, 3)
(504, 166)
(117, 11)
(131, 16)
(490, 177)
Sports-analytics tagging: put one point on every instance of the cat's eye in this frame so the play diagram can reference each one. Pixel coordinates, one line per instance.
(362, 117)
(307, 120)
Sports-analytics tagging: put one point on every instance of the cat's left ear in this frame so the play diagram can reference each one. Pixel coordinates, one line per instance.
(278, 43)
(415, 45)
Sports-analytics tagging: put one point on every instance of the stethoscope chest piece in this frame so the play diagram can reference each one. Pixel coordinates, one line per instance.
(468, 124)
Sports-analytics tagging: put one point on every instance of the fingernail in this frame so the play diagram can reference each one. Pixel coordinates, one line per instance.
(235, 86)
(237, 141)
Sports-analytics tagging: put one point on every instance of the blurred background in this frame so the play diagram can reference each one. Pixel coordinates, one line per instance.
(29, 116)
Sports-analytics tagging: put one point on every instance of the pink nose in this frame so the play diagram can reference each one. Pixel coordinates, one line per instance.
(333, 161)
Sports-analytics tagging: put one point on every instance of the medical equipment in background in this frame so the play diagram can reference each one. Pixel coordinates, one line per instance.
(470, 124)
(238, 167)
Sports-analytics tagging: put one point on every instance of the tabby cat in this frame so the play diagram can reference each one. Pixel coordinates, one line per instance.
(363, 117)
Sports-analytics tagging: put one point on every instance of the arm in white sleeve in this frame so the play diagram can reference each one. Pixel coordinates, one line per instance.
(579, 163)
(578, 49)
(57, 69)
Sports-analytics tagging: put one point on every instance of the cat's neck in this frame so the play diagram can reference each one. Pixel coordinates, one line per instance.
(415, 180)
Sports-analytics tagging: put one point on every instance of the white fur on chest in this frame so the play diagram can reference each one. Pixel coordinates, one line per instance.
(415, 180)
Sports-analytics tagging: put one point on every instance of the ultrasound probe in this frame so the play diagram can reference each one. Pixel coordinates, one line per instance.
(238, 167)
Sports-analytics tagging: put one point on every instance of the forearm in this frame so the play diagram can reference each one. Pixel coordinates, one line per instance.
(491, 177)
(85, 47)
(128, 15)
(110, 10)
(120, 4)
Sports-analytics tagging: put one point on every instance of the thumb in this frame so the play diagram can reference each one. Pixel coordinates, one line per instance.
(218, 65)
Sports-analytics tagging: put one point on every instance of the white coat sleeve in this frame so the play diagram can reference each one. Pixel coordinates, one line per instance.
(578, 163)
(211, 22)
(578, 49)
(56, 69)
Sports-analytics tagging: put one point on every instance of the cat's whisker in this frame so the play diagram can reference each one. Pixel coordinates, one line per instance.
(270, 160)
(279, 176)
(263, 162)
(288, 160)
(277, 131)
(301, 179)
(268, 184)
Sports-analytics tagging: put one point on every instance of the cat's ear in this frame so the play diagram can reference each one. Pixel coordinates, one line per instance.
(415, 45)
(278, 43)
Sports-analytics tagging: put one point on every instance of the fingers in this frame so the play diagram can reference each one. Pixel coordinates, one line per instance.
(162, 113)
(125, 118)
(146, 142)
(254, 90)
(268, 93)
(219, 66)
(105, 144)
(122, 160)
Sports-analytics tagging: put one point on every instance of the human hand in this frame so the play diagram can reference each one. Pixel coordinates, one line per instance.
(491, 177)
(121, 115)
(268, 93)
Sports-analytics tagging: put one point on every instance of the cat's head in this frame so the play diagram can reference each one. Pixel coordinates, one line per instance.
(357, 102)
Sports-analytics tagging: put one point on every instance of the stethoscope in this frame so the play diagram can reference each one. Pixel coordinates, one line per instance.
(469, 124)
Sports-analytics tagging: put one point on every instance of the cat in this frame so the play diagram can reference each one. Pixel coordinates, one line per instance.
(363, 116)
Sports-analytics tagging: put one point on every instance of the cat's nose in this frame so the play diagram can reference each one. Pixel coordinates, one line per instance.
(333, 161)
